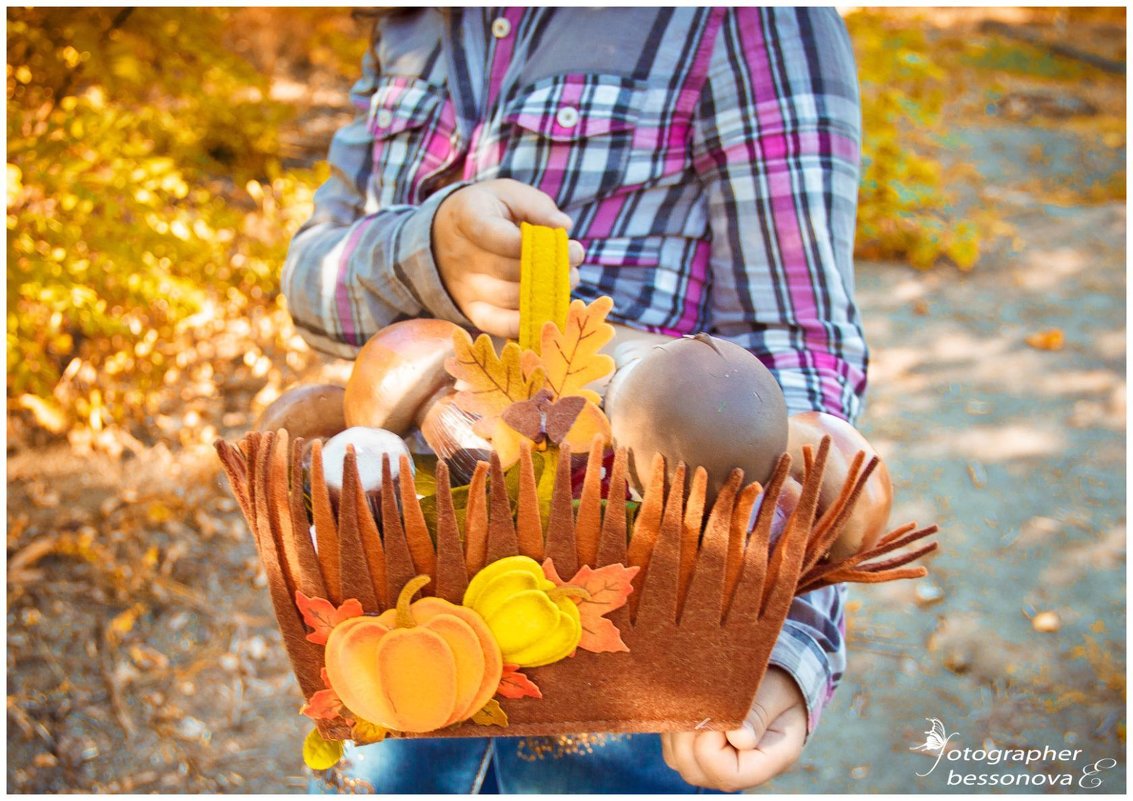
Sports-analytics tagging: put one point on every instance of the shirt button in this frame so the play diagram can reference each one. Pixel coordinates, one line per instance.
(567, 117)
(500, 28)
(384, 118)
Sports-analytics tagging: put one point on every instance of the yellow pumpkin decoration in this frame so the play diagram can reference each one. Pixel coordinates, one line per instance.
(534, 621)
(416, 668)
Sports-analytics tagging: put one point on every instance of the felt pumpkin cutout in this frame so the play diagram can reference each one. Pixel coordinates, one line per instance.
(416, 668)
(534, 621)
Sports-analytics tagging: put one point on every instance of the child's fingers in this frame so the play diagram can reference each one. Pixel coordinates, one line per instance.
(777, 751)
(576, 252)
(718, 761)
(504, 269)
(667, 750)
(575, 277)
(497, 235)
(747, 735)
(776, 695)
(531, 205)
(684, 758)
(493, 320)
(495, 291)
(730, 769)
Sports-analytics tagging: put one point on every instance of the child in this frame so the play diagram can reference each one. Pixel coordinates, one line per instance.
(706, 163)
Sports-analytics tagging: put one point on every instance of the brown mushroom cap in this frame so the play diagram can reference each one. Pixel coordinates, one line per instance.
(870, 516)
(310, 412)
(704, 401)
(396, 372)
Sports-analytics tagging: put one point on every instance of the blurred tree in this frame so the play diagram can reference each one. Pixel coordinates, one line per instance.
(904, 210)
(144, 188)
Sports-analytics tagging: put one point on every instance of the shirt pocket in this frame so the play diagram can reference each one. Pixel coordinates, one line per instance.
(413, 126)
(571, 135)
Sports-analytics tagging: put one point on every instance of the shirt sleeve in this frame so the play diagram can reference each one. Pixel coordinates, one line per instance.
(351, 268)
(776, 145)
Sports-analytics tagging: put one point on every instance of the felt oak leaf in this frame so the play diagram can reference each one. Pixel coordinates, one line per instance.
(590, 421)
(506, 442)
(607, 588)
(493, 382)
(364, 732)
(320, 754)
(514, 684)
(570, 356)
(321, 615)
(323, 705)
(491, 715)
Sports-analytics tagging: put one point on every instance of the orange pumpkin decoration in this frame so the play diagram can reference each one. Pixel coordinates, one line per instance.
(416, 668)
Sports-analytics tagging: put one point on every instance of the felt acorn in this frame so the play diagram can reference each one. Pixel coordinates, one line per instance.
(419, 667)
(534, 621)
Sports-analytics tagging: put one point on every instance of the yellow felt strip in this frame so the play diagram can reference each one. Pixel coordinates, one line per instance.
(544, 282)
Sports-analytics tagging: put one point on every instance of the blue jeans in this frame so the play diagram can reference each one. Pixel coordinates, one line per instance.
(617, 764)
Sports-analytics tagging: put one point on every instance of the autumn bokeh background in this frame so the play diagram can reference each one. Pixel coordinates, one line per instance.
(159, 160)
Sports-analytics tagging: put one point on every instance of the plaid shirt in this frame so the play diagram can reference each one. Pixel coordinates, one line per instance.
(708, 158)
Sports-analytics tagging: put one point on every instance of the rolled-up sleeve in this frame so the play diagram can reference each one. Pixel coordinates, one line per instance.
(352, 269)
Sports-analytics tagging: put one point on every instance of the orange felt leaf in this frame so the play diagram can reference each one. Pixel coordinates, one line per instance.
(493, 382)
(591, 421)
(570, 356)
(608, 588)
(515, 684)
(506, 442)
(321, 615)
(491, 715)
(323, 705)
(1051, 339)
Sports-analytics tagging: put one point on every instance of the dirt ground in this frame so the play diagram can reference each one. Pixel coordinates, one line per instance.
(143, 656)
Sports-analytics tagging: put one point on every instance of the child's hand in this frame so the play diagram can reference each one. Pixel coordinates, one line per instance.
(476, 245)
(769, 741)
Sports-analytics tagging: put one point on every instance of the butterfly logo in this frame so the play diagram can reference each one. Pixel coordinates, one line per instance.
(936, 740)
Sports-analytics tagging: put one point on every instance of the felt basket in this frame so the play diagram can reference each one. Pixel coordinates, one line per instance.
(712, 585)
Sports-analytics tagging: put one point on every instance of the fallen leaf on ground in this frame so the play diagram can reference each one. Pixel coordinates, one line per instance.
(1051, 339)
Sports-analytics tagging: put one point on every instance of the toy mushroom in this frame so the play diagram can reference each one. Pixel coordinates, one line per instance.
(703, 401)
(870, 516)
(399, 382)
(311, 411)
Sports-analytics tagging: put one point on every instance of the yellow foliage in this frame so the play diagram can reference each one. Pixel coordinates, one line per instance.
(144, 189)
(904, 210)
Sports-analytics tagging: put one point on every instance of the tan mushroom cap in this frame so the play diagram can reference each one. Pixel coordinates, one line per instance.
(870, 517)
(397, 371)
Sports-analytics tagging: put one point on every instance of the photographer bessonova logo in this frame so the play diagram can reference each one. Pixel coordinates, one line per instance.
(998, 767)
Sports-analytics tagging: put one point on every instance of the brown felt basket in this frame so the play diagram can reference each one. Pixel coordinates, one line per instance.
(708, 603)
